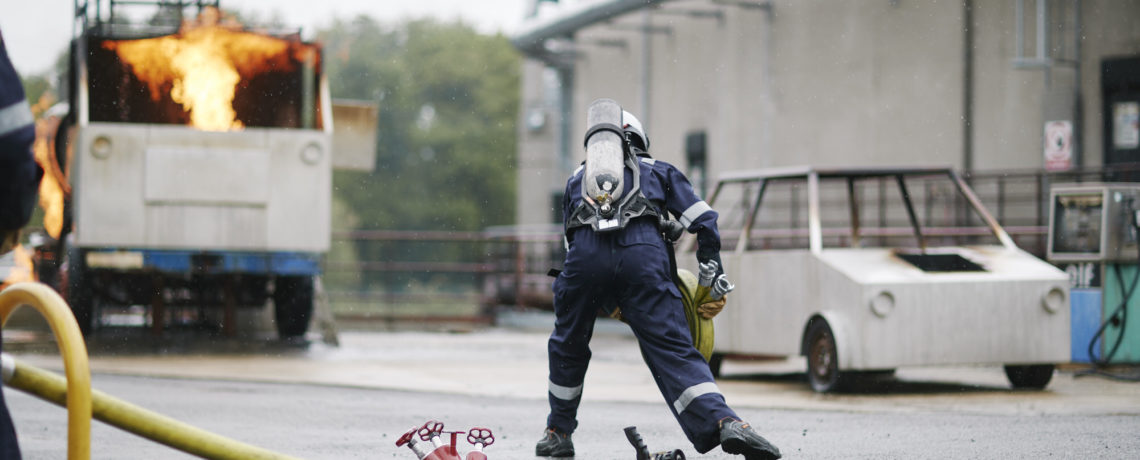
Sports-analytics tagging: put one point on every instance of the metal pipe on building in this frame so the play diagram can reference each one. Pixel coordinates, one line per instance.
(1043, 40)
(1019, 35)
(968, 83)
(646, 68)
(1042, 29)
(530, 39)
(565, 113)
(768, 106)
(1078, 111)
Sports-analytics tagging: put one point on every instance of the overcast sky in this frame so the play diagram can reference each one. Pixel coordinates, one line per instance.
(37, 31)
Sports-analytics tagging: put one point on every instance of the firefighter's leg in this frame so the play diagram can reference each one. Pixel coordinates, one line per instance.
(578, 293)
(652, 305)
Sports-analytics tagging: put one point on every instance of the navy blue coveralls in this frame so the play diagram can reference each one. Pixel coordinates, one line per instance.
(19, 174)
(630, 268)
(19, 182)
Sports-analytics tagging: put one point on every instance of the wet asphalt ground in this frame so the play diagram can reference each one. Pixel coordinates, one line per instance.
(353, 401)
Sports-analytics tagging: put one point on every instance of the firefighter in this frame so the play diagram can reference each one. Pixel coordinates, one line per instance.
(19, 182)
(632, 268)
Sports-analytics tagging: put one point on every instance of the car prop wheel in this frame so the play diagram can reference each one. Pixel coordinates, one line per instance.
(822, 358)
(1034, 377)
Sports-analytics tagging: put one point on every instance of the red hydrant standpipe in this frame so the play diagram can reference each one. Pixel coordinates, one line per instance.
(409, 438)
(431, 431)
(480, 437)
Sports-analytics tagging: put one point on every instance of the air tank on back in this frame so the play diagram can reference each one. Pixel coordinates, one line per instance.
(605, 157)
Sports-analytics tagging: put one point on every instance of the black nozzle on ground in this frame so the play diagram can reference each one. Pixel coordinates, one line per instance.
(643, 451)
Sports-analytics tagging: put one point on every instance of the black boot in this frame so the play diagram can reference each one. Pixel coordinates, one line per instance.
(554, 444)
(737, 437)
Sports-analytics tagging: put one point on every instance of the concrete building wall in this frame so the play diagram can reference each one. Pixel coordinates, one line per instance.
(1112, 30)
(1008, 102)
(850, 75)
(539, 168)
(851, 83)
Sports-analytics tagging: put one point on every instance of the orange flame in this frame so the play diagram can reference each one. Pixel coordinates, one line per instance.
(22, 271)
(202, 64)
(54, 185)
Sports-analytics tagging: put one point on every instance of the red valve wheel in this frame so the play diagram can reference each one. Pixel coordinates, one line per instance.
(406, 437)
(431, 429)
(480, 436)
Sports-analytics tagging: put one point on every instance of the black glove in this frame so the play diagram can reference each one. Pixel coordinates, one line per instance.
(704, 255)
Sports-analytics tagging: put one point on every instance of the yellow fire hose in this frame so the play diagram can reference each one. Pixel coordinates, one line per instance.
(692, 296)
(78, 390)
(76, 394)
(142, 422)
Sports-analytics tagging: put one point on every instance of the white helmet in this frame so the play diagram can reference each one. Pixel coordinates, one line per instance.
(633, 131)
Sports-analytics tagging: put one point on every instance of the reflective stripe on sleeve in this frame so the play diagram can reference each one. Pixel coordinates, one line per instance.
(694, 212)
(576, 171)
(649, 161)
(692, 393)
(565, 393)
(14, 117)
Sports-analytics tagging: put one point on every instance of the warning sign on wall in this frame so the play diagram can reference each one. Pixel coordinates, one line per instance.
(1058, 145)
(1126, 125)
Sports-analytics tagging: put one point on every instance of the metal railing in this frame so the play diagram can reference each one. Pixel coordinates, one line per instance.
(508, 266)
(1018, 198)
(426, 276)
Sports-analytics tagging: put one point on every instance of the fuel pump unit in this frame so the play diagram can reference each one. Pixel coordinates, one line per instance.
(1093, 231)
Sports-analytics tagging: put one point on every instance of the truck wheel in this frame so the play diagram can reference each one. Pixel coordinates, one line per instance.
(79, 294)
(715, 362)
(1035, 376)
(822, 358)
(293, 305)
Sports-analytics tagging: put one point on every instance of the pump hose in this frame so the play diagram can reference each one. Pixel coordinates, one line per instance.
(150, 425)
(1121, 312)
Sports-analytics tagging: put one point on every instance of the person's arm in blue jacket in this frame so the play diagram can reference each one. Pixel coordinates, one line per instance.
(696, 215)
(19, 173)
(19, 182)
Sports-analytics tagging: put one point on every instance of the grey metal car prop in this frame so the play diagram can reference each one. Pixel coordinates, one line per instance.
(866, 270)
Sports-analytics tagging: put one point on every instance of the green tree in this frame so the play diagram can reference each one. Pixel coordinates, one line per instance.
(34, 87)
(446, 151)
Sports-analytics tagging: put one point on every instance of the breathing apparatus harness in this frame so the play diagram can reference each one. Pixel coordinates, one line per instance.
(606, 214)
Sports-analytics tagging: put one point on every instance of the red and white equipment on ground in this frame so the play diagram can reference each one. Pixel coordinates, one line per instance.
(431, 432)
